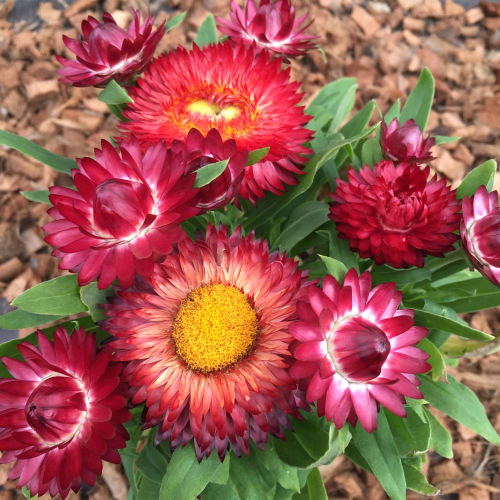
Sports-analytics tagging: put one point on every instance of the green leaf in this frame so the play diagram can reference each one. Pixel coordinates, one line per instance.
(435, 358)
(371, 152)
(205, 175)
(256, 156)
(380, 452)
(57, 162)
(59, 296)
(173, 22)
(114, 94)
(386, 274)
(314, 488)
(441, 441)
(92, 297)
(304, 220)
(335, 268)
(418, 428)
(332, 92)
(483, 175)
(416, 481)
(476, 303)
(27, 494)
(441, 139)
(393, 112)
(41, 196)
(339, 249)
(186, 478)
(207, 33)
(286, 475)
(460, 403)
(19, 318)
(345, 437)
(148, 490)
(314, 442)
(419, 103)
(403, 439)
(152, 463)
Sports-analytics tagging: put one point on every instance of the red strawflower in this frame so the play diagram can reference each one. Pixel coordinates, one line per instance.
(406, 142)
(246, 98)
(199, 151)
(480, 231)
(62, 413)
(271, 26)
(208, 345)
(393, 215)
(355, 350)
(124, 215)
(109, 52)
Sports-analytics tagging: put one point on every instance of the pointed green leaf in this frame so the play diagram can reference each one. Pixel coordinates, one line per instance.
(419, 103)
(441, 441)
(256, 156)
(483, 175)
(173, 22)
(207, 33)
(114, 94)
(416, 481)
(93, 298)
(335, 268)
(314, 488)
(38, 196)
(205, 175)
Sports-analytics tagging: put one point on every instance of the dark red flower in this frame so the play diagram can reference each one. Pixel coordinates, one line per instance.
(246, 98)
(480, 231)
(109, 52)
(271, 26)
(406, 142)
(393, 215)
(62, 413)
(355, 350)
(199, 151)
(124, 215)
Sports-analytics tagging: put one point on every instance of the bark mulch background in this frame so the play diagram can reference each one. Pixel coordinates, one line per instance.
(383, 44)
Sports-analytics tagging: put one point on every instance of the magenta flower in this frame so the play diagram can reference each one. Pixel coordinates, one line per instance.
(200, 151)
(356, 351)
(109, 52)
(62, 413)
(271, 25)
(406, 142)
(480, 231)
(124, 215)
(394, 215)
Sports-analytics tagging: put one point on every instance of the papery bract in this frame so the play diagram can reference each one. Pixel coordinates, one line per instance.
(109, 52)
(62, 413)
(207, 345)
(480, 231)
(200, 151)
(271, 25)
(355, 350)
(124, 215)
(394, 215)
(406, 143)
(246, 98)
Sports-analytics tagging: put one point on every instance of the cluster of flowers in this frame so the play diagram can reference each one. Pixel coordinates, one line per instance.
(219, 338)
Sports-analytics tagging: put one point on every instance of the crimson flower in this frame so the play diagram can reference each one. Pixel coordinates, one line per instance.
(199, 151)
(109, 52)
(480, 231)
(406, 142)
(62, 413)
(246, 98)
(393, 215)
(124, 214)
(355, 350)
(271, 25)
(208, 345)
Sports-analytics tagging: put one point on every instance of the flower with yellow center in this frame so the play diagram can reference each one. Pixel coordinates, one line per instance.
(245, 97)
(208, 343)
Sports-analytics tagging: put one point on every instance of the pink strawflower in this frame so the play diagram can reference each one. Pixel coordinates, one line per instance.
(62, 413)
(271, 25)
(109, 52)
(355, 350)
(480, 231)
(406, 143)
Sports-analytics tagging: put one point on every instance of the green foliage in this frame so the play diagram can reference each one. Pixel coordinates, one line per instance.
(41, 196)
(205, 175)
(207, 33)
(419, 103)
(484, 175)
(256, 156)
(174, 21)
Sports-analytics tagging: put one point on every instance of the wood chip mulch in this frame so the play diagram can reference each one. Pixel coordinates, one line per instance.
(384, 45)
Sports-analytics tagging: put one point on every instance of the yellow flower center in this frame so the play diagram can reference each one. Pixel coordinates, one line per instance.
(213, 110)
(214, 328)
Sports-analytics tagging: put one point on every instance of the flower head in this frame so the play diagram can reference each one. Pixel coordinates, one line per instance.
(406, 142)
(109, 52)
(124, 214)
(199, 151)
(208, 345)
(246, 98)
(480, 231)
(394, 215)
(270, 26)
(62, 413)
(355, 350)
